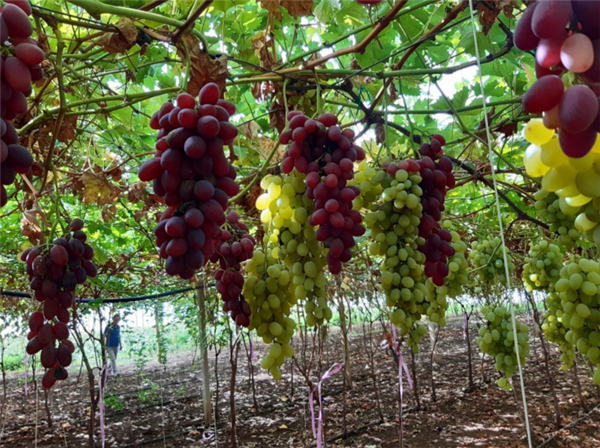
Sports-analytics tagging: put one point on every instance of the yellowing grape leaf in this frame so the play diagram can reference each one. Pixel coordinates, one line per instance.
(96, 188)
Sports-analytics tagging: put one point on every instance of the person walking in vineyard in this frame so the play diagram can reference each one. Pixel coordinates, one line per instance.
(113, 343)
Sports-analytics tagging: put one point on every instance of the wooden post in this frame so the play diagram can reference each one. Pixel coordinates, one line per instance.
(206, 394)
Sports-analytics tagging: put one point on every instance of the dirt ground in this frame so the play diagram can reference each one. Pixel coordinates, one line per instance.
(164, 408)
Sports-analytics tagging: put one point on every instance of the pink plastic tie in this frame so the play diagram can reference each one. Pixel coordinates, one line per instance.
(318, 428)
(101, 405)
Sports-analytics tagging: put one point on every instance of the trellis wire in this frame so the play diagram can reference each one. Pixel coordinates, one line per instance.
(504, 251)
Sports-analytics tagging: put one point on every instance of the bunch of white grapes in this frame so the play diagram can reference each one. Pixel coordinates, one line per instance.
(579, 292)
(292, 240)
(393, 222)
(552, 209)
(542, 266)
(497, 339)
(487, 258)
(267, 290)
(556, 332)
(368, 179)
(570, 197)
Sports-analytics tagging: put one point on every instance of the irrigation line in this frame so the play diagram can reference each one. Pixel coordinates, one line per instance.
(121, 300)
(547, 441)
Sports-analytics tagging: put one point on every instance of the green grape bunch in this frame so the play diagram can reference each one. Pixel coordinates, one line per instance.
(267, 291)
(552, 209)
(487, 259)
(368, 179)
(302, 99)
(292, 240)
(497, 339)
(542, 266)
(556, 332)
(393, 222)
(579, 310)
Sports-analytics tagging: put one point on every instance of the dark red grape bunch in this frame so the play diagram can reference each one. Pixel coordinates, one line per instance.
(54, 271)
(234, 246)
(565, 36)
(185, 236)
(435, 170)
(326, 154)
(192, 173)
(19, 67)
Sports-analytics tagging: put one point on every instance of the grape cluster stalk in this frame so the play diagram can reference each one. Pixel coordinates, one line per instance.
(54, 272)
(324, 153)
(566, 37)
(20, 65)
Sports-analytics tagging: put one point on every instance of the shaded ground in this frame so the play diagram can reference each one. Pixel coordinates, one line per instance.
(164, 408)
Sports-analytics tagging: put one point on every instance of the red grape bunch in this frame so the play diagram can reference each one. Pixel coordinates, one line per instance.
(185, 238)
(19, 67)
(326, 154)
(54, 271)
(436, 174)
(234, 246)
(192, 173)
(565, 36)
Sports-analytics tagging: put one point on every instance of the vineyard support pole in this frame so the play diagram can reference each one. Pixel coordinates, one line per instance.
(206, 395)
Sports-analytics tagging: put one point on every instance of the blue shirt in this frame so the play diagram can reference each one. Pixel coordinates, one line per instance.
(113, 333)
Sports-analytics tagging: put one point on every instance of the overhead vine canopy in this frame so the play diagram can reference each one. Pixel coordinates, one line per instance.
(396, 73)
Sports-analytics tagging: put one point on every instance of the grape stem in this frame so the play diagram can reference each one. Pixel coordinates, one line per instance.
(258, 175)
(190, 22)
